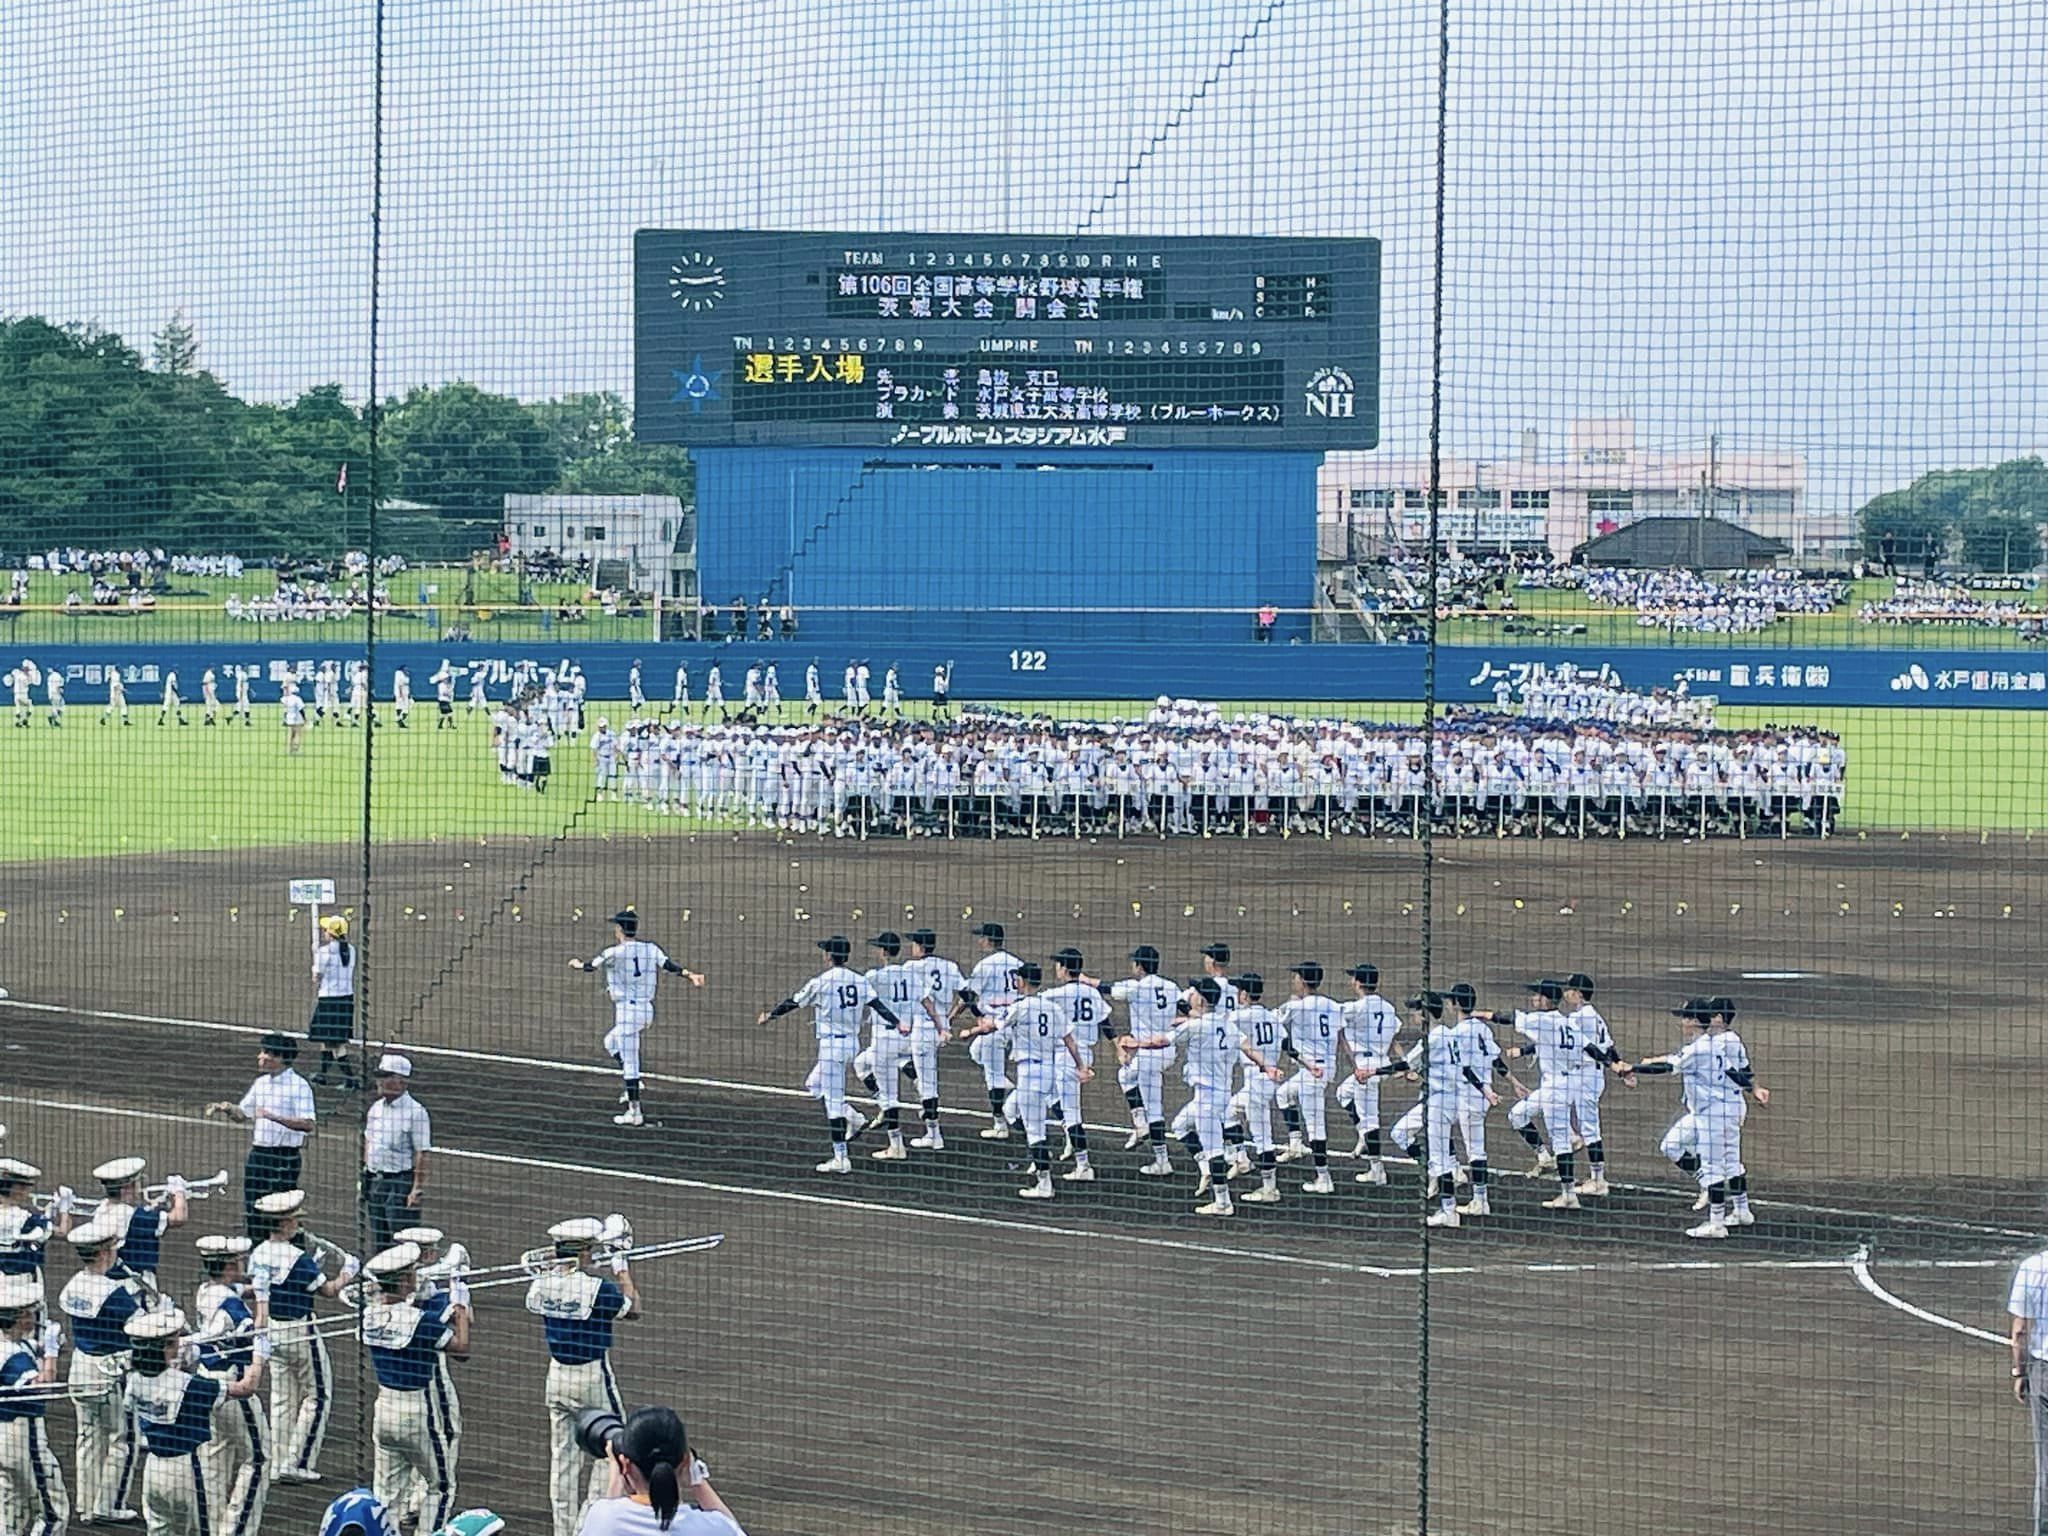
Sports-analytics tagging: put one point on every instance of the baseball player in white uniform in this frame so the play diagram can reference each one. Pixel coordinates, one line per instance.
(880, 1067)
(1590, 1082)
(814, 697)
(1311, 1022)
(838, 999)
(1425, 1131)
(1152, 1007)
(631, 968)
(1039, 1030)
(928, 1027)
(1076, 996)
(1369, 1026)
(1251, 1108)
(991, 988)
(1211, 1045)
(1555, 1043)
(1706, 1141)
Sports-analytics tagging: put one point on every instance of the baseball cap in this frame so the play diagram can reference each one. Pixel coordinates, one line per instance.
(1429, 1002)
(1147, 956)
(1698, 1009)
(1210, 988)
(1310, 971)
(1725, 1006)
(836, 946)
(1251, 984)
(1580, 983)
(1069, 958)
(1366, 975)
(923, 938)
(628, 920)
(1029, 971)
(1547, 989)
(1463, 995)
(888, 941)
(990, 931)
(1220, 953)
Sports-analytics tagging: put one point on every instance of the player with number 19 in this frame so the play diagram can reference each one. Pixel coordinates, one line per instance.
(631, 968)
(839, 999)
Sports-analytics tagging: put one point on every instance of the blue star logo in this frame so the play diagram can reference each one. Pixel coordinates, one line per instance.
(696, 386)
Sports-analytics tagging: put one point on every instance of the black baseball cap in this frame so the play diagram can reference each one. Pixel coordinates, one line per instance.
(1580, 983)
(1069, 958)
(923, 938)
(1547, 989)
(1698, 1009)
(1310, 971)
(836, 946)
(888, 941)
(1251, 984)
(1147, 956)
(1029, 971)
(282, 1046)
(627, 920)
(1210, 988)
(1219, 952)
(1464, 995)
(1366, 975)
(992, 931)
(1725, 1006)
(1429, 1002)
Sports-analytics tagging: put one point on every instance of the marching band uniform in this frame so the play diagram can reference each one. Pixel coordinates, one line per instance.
(405, 1338)
(100, 1306)
(173, 1410)
(32, 1496)
(237, 1458)
(25, 1232)
(577, 1310)
(287, 1278)
(141, 1227)
(441, 1396)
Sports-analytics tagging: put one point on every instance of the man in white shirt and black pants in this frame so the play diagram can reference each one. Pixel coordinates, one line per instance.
(279, 1107)
(2028, 1304)
(397, 1135)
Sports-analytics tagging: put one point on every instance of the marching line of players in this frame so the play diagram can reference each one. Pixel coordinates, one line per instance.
(171, 1405)
(1035, 1039)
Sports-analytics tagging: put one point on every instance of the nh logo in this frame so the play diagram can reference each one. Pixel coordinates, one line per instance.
(1331, 394)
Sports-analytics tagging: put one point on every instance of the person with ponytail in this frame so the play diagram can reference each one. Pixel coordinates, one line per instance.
(658, 1485)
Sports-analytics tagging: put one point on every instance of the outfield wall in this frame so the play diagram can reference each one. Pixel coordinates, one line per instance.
(1247, 670)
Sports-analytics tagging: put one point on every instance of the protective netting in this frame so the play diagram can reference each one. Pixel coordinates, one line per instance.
(1295, 541)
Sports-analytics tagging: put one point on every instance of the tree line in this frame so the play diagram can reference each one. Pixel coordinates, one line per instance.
(1989, 519)
(102, 446)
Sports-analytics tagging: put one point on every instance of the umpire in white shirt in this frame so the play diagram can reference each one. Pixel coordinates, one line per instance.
(397, 1135)
(2028, 1306)
(279, 1108)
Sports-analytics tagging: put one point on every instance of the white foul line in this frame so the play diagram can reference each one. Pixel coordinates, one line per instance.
(1033, 1228)
(776, 1090)
(1859, 1266)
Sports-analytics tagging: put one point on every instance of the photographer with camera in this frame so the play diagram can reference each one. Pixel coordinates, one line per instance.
(653, 1469)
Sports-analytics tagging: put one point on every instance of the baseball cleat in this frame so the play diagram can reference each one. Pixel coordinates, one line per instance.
(1741, 1219)
(1240, 1165)
(1442, 1218)
(1079, 1176)
(1461, 1177)
(1155, 1170)
(1707, 1229)
(1701, 1203)
(889, 1154)
(1597, 1185)
(856, 1122)
(837, 1164)
(931, 1141)
(1565, 1200)
(1067, 1151)
(1359, 1150)
(1319, 1185)
(1478, 1205)
(1035, 1192)
(1293, 1152)
(1376, 1174)
(996, 1132)
(625, 1097)
(1546, 1160)
(1217, 1207)
(1202, 1184)
(632, 1116)
(1131, 1141)
(1263, 1195)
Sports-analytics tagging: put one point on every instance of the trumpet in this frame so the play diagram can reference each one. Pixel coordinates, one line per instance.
(195, 1189)
(531, 1265)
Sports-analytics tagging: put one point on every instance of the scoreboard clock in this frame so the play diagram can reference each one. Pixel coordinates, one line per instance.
(777, 338)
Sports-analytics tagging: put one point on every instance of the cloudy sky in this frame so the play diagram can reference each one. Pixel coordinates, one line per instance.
(1820, 226)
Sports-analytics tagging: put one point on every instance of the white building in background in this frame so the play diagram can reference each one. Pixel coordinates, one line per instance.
(1601, 482)
(642, 533)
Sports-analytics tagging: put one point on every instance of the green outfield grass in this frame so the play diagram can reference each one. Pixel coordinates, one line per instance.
(92, 790)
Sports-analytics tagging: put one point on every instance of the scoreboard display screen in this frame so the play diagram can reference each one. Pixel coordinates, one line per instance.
(767, 338)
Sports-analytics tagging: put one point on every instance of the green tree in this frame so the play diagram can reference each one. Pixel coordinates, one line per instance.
(462, 450)
(175, 348)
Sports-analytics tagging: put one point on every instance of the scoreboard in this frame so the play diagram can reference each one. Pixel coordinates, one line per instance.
(776, 338)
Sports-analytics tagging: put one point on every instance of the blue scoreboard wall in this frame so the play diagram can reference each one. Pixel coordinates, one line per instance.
(944, 540)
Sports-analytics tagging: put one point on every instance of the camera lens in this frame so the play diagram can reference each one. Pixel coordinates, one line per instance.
(596, 1429)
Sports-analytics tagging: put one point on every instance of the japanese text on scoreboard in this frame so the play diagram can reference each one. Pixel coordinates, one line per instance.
(777, 338)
